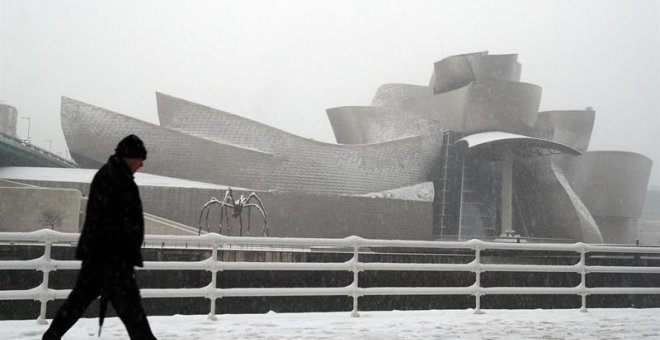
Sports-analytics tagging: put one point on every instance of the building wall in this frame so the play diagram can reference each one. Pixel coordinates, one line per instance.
(29, 208)
(8, 119)
(292, 214)
(457, 71)
(295, 214)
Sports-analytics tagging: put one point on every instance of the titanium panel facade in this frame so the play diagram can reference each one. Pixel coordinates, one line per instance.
(92, 134)
(483, 105)
(572, 128)
(395, 95)
(611, 183)
(307, 165)
(458, 71)
(369, 124)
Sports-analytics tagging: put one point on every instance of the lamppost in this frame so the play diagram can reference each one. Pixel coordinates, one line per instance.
(28, 134)
(50, 145)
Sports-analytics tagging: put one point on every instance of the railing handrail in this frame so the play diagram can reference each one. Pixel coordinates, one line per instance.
(213, 239)
(354, 244)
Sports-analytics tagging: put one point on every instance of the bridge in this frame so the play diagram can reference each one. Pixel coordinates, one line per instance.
(17, 152)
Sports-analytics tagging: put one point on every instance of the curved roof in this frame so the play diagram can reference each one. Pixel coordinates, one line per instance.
(523, 146)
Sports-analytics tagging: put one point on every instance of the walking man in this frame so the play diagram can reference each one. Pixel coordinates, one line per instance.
(109, 246)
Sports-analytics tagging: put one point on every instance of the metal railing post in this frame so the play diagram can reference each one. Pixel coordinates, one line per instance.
(355, 285)
(214, 279)
(477, 280)
(583, 278)
(43, 293)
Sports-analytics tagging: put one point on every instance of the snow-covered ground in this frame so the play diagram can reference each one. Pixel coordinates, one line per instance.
(438, 324)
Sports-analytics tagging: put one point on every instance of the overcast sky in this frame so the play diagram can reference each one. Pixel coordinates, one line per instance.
(283, 63)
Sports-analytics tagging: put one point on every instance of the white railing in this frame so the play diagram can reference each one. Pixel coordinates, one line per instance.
(216, 242)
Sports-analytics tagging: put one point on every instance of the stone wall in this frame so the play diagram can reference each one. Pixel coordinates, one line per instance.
(29, 208)
(293, 214)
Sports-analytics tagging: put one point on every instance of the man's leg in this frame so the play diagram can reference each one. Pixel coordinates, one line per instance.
(125, 298)
(85, 291)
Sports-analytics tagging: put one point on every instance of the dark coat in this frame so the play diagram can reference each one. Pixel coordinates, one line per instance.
(114, 225)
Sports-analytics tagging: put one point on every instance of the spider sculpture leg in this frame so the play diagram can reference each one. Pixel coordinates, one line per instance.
(248, 218)
(259, 205)
(240, 220)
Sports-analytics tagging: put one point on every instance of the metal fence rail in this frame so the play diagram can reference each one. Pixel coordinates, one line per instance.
(216, 242)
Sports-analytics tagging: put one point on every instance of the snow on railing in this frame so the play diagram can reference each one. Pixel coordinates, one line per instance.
(216, 242)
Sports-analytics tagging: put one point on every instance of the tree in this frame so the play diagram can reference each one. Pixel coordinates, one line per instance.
(52, 219)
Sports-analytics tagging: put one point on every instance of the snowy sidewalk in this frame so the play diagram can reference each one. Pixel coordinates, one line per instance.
(438, 324)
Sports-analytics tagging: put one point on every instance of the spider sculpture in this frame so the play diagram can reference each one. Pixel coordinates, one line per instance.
(237, 206)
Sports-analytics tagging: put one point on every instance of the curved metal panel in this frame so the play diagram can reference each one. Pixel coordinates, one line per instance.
(202, 121)
(395, 95)
(496, 67)
(368, 124)
(611, 183)
(92, 133)
(484, 105)
(590, 229)
(453, 72)
(457, 71)
(572, 128)
(308, 165)
(548, 205)
(501, 105)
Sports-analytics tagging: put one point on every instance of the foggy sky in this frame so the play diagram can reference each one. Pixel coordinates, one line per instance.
(283, 63)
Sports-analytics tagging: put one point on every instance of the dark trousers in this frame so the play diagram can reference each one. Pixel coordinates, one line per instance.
(117, 282)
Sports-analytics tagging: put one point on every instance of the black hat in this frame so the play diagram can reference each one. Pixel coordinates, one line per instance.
(131, 147)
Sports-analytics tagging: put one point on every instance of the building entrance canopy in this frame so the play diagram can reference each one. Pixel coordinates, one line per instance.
(495, 144)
